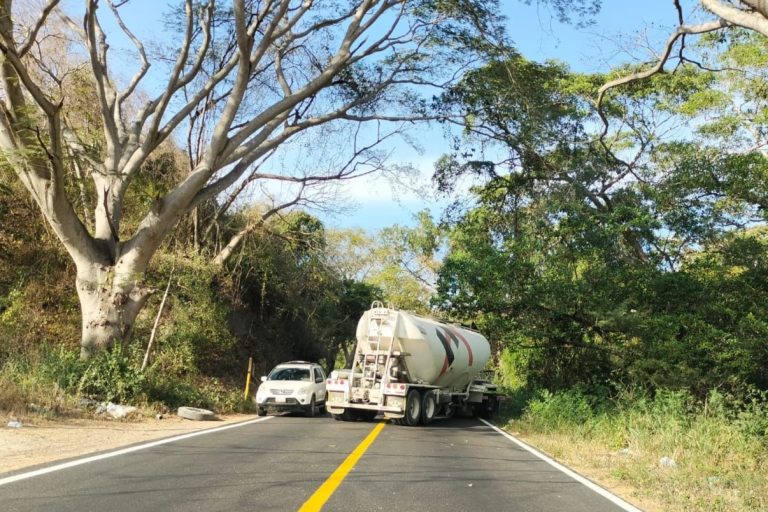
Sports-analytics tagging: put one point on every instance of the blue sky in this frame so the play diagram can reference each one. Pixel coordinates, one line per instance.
(624, 30)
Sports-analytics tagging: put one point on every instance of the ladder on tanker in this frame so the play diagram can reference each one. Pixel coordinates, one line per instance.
(370, 362)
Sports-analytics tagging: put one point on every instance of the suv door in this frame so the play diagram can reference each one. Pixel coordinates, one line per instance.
(320, 383)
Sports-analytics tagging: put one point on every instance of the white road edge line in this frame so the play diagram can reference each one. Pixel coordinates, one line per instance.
(123, 451)
(590, 484)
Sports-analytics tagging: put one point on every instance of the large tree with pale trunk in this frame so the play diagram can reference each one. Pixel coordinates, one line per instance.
(261, 72)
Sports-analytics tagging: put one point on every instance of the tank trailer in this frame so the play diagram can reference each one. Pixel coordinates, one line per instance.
(413, 370)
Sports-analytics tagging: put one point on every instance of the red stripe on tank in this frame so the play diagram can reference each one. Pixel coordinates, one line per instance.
(458, 334)
(445, 366)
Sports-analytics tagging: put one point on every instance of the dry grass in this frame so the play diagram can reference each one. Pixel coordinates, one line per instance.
(720, 457)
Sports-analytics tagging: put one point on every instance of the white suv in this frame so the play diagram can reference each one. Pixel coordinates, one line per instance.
(295, 386)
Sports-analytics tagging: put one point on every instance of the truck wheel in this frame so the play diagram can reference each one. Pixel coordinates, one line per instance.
(482, 411)
(412, 408)
(261, 411)
(344, 416)
(428, 408)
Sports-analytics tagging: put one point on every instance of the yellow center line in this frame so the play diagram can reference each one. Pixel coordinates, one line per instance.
(324, 492)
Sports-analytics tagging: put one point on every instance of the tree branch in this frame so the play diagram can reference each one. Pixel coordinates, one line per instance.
(50, 6)
(656, 68)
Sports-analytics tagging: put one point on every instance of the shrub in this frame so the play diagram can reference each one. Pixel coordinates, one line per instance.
(111, 376)
(553, 411)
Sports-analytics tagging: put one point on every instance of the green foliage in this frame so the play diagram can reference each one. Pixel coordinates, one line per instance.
(54, 378)
(208, 393)
(10, 306)
(37, 294)
(63, 367)
(550, 412)
(703, 100)
(718, 443)
(196, 323)
(111, 377)
(513, 369)
(280, 300)
(521, 105)
(401, 262)
(589, 271)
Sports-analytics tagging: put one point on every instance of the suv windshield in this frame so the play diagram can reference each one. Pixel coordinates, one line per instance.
(290, 374)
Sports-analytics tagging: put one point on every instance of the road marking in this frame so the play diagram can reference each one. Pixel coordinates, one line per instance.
(590, 484)
(324, 492)
(123, 451)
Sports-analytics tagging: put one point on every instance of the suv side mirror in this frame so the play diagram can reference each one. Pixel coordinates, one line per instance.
(263, 378)
(318, 380)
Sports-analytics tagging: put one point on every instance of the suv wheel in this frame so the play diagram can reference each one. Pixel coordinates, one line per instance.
(310, 411)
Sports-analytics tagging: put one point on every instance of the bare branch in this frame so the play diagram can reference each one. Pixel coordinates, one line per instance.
(142, 55)
(97, 50)
(227, 204)
(176, 82)
(11, 84)
(227, 251)
(50, 6)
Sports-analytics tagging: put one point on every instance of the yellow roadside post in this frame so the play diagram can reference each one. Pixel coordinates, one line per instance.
(248, 378)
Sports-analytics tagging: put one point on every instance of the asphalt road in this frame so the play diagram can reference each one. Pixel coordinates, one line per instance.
(278, 464)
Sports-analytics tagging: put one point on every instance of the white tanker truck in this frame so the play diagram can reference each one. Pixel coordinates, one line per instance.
(412, 369)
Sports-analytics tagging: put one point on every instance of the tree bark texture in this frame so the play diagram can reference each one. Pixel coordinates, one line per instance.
(110, 304)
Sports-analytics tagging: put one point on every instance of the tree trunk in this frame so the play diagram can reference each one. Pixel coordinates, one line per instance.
(109, 306)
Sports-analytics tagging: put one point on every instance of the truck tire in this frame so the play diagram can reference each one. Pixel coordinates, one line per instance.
(344, 416)
(487, 409)
(412, 408)
(261, 411)
(194, 413)
(428, 408)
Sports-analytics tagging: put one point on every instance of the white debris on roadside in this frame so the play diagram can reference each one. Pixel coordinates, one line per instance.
(14, 424)
(667, 462)
(115, 410)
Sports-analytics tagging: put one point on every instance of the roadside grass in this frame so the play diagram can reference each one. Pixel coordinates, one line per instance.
(669, 452)
(52, 382)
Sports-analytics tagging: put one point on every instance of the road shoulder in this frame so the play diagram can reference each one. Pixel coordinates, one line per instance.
(43, 441)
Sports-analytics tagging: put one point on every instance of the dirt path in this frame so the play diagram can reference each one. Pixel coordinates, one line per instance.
(37, 442)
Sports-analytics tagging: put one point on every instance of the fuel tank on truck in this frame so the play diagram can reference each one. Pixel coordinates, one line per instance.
(437, 354)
